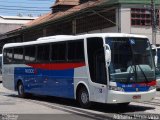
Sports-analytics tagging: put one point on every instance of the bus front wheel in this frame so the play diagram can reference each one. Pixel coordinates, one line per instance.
(83, 98)
(21, 92)
(124, 104)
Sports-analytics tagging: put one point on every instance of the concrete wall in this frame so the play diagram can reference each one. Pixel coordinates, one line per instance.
(146, 31)
(106, 30)
(9, 23)
(114, 29)
(8, 27)
(15, 19)
(125, 23)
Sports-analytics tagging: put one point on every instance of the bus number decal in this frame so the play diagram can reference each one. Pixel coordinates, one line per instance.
(29, 71)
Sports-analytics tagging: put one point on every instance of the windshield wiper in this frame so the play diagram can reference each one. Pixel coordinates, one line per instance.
(143, 73)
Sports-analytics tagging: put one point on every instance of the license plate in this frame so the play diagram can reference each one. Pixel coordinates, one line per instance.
(136, 97)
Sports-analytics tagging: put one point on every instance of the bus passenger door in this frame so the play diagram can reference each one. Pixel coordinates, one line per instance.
(97, 69)
(99, 88)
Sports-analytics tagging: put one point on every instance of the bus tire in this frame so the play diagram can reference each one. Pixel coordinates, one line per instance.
(20, 89)
(83, 98)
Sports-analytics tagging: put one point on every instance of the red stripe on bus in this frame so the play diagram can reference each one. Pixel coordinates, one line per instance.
(152, 83)
(56, 66)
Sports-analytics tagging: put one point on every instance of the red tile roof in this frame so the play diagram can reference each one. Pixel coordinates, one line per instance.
(66, 2)
(54, 16)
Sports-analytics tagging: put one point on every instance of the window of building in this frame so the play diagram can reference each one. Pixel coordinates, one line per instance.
(43, 52)
(30, 53)
(76, 51)
(142, 17)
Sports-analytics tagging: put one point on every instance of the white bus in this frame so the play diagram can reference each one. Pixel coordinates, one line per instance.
(156, 55)
(0, 68)
(103, 67)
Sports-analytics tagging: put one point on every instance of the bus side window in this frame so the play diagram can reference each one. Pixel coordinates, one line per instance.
(30, 53)
(76, 51)
(4, 56)
(58, 52)
(43, 53)
(18, 55)
(8, 56)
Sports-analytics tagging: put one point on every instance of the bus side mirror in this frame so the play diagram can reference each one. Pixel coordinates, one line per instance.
(107, 54)
(156, 60)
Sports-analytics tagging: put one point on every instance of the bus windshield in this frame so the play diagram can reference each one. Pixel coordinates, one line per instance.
(131, 60)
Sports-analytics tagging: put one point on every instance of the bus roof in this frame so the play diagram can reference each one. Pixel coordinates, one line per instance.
(59, 38)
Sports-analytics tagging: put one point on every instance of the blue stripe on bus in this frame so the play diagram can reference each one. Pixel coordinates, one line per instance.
(133, 87)
(58, 83)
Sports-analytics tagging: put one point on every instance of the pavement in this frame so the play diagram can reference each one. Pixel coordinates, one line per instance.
(51, 108)
(13, 105)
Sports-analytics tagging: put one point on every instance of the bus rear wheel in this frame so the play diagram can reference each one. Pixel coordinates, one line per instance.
(21, 92)
(83, 98)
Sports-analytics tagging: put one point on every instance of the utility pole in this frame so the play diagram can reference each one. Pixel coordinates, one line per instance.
(153, 22)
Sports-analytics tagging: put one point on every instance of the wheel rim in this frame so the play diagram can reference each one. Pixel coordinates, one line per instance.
(84, 98)
(20, 89)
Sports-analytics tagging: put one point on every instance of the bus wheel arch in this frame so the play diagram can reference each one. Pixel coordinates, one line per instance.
(82, 95)
(20, 89)
(17, 83)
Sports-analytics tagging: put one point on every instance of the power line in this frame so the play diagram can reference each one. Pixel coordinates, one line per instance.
(34, 2)
(24, 7)
(34, 7)
(15, 12)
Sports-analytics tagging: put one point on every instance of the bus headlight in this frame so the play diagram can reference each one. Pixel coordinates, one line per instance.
(152, 87)
(115, 88)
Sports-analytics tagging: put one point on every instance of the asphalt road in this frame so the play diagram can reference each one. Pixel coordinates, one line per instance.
(52, 108)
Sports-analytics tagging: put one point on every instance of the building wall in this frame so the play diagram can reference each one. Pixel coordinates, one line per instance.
(146, 31)
(106, 30)
(9, 23)
(8, 27)
(125, 20)
(114, 29)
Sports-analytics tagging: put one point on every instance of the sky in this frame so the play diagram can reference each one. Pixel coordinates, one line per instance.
(25, 7)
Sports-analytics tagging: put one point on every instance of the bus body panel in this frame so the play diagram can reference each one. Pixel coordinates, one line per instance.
(80, 77)
(124, 97)
(49, 81)
(8, 77)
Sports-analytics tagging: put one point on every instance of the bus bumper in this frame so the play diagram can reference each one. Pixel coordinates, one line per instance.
(122, 97)
(158, 83)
